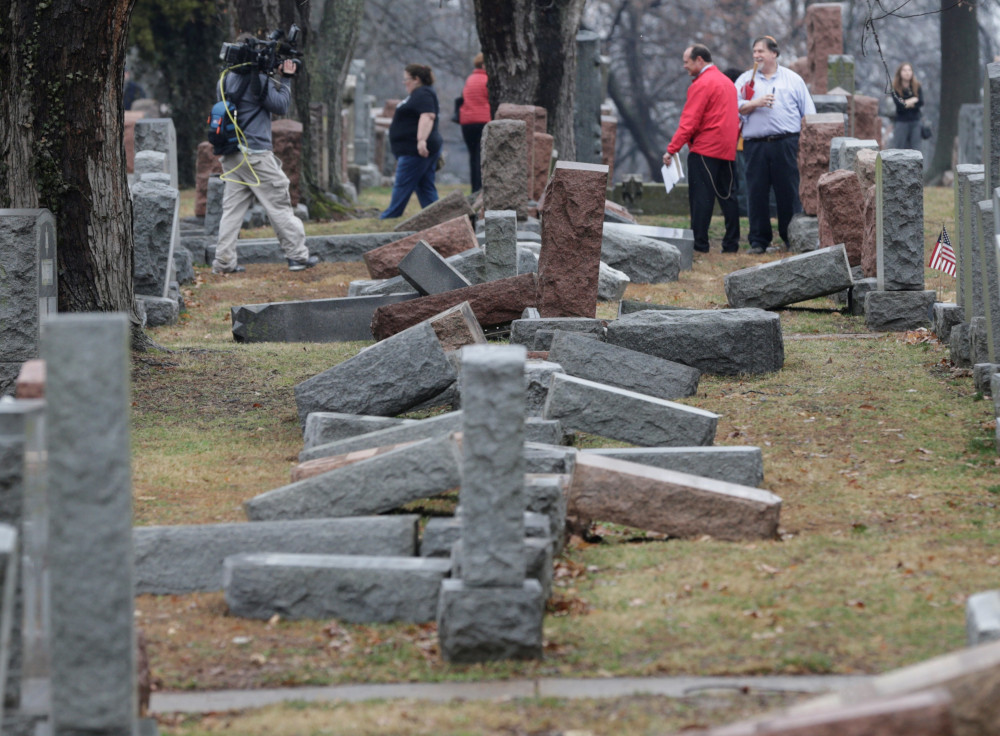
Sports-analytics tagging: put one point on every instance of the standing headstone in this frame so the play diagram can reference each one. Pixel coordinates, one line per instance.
(158, 134)
(22, 494)
(504, 175)
(970, 133)
(988, 276)
(543, 144)
(900, 220)
(155, 223)
(975, 299)
(963, 219)
(492, 611)
(840, 72)
(91, 568)
(991, 126)
(362, 120)
(149, 162)
(510, 111)
(28, 286)
(841, 212)
(589, 96)
(824, 37)
(213, 206)
(572, 229)
(814, 154)
(501, 244)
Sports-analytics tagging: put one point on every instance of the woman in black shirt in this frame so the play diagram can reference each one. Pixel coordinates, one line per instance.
(415, 141)
(909, 98)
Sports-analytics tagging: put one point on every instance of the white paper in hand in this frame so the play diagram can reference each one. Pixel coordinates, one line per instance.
(672, 174)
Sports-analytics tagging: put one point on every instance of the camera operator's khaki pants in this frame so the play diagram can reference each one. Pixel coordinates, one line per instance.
(272, 193)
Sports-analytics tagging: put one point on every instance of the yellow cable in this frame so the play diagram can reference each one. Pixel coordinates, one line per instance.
(240, 137)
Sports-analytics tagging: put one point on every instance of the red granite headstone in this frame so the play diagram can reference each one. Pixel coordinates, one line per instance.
(609, 134)
(572, 216)
(841, 212)
(206, 164)
(814, 154)
(449, 238)
(824, 36)
(510, 111)
(543, 161)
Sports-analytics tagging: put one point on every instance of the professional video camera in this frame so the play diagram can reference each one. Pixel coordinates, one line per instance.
(267, 54)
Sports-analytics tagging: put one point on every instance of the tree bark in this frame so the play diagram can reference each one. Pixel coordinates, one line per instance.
(62, 64)
(530, 54)
(960, 66)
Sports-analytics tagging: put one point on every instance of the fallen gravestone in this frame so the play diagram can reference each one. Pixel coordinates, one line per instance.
(374, 485)
(644, 260)
(352, 588)
(428, 272)
(329, 426)
(584, 357)
(448, 239)
(173, 560)
(447, 208)
(500, 244)
(618, 414)
(741, 465)
(385, 379)
(789, 280)
(676, 504)
(681, 239)
(436, 426)
(525, 331)
(715, 341)
(315, 320)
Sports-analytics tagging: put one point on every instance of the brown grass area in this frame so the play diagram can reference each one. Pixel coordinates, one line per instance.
(882, 453)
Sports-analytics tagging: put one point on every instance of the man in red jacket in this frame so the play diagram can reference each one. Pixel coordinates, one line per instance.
(709, 126)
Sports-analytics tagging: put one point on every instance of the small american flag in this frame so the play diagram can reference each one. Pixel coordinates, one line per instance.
(943, 255)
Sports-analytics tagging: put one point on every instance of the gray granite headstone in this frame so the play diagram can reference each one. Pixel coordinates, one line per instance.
(155, 215)
(899, 215)
(92, 645)
(790, 280)
(500, 245)
(963, 243)
(363, 140)
(428, 272)
(28, 286)
(988, 272)
(589, 97)
(680, 238)
(149, 162)
(158, 134)
(970, 133)
(492, 490)
(849, 151)
(976, 299)
(991, 125)
(830, 103)
(9, 591)
(644, 260)
(213, 206)
(505, 175)
(836, 145)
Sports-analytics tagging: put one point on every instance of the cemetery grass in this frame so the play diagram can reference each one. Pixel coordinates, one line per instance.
(882, 452)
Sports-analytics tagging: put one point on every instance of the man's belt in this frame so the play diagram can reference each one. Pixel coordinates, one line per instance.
(769, 138)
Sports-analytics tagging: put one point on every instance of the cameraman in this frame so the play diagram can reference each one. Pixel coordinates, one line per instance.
(259, 99)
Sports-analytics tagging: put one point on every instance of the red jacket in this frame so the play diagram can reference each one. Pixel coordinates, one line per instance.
(710, 122)
(476, 102)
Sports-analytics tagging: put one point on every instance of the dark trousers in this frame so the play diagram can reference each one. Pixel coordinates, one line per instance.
(473, 135)
(711, 179)
(771, 165)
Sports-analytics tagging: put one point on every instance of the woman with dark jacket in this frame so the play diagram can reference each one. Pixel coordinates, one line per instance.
(415, 141)
(909, 98)
(473, 116)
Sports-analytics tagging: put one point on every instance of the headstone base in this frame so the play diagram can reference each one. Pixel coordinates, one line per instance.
(488, 624)
(946, 316)
(894, 311)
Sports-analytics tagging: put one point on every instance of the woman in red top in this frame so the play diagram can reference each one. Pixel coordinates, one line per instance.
(473, 115)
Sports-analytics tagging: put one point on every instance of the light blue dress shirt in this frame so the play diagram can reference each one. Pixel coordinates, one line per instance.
(792, 102)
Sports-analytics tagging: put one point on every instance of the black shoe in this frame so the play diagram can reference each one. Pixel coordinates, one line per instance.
(758, 251)
(700, 250)
(218, 268)
(302, 265)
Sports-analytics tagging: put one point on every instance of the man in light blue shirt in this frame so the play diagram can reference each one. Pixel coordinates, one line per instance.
(772, 103)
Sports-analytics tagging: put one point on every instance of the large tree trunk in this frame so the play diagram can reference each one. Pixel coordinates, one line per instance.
(329, 33)
(960, 67)
(62, 64)
(530, 54)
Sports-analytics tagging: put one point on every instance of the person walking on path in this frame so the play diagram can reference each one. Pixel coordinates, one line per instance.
(772, 103)
(254, 172)
(415, 141)
(473, 116)
(710, 127)
(908, 96)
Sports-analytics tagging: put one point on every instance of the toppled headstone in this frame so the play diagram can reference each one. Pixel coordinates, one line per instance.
(158, 310)
(321, 465)
(611, 283)
(449, 238)
(493, 303)
(680, 238)
(323, 427)
(408, 431)
(790, 280)
(447, 208)
(572, 227)
(385, 379)
(172, 560)
(537, 378)
(644, 260)
(353, 588)
(457, 327)
(722, 342)
(677, 504)
(614, 365)
(372, 486)
(428, 272)
(525, 331)
(741, 465)
(624, 415)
